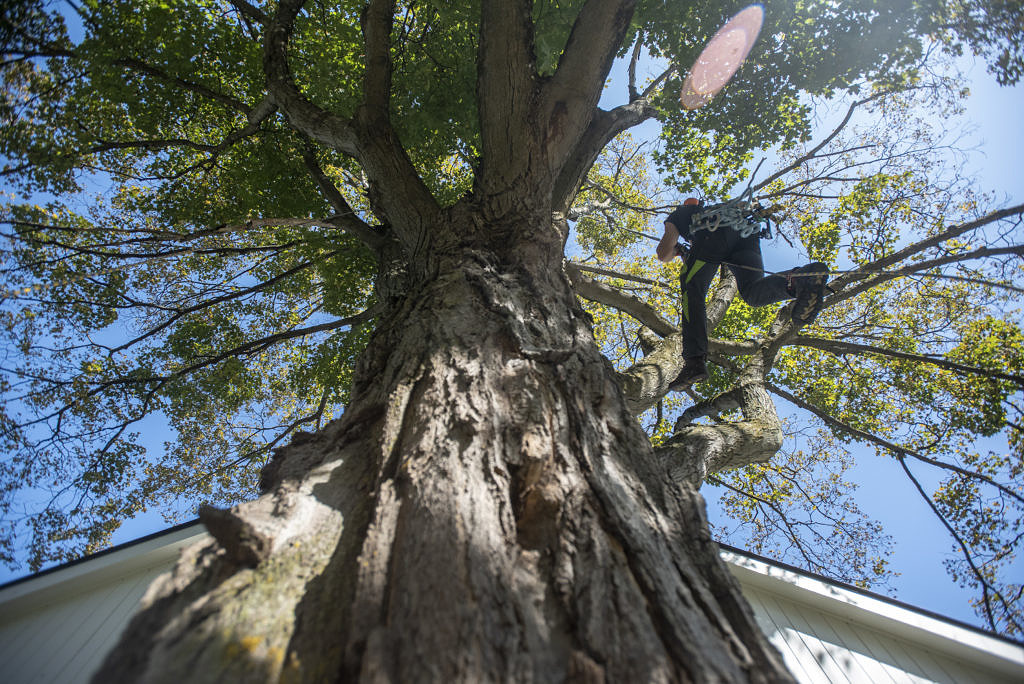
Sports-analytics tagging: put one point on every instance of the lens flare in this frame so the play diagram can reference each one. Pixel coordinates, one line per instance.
(721, 57)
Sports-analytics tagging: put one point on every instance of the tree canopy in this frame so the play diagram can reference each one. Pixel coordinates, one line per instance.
(206, 201)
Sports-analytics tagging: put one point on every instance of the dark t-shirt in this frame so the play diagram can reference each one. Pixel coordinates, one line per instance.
(682, 217)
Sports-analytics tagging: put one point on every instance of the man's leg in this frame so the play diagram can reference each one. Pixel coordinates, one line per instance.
(694, 280)
(809, 282)
(806, 284)
(748, 267)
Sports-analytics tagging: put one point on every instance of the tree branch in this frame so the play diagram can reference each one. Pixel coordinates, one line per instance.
(609, 296)
(569, 100)
(248, 10)
(839, 347)
(306, 117)
(506, 81)
(976, 571)
(817, 148)
(345, 218)
(697, 450)
(616, 274)
(879, 265)
(603, 127)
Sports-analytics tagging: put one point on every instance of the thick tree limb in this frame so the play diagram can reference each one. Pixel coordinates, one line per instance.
(396, 189)
(634, 94)
(712, 408)
(376, 24)
(306, 117)
(603, 127)
(646, 382)
(698, 450)
(569, 99)
(839, 347)
(726, 291)
(504, 88)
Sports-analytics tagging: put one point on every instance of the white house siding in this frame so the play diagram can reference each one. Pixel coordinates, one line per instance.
(65, 641)
(56, 627)
(828, 633)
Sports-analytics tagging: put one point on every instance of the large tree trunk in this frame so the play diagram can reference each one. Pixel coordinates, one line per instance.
(486, 510)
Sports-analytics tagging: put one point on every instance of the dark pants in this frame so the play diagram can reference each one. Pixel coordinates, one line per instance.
(743, 257)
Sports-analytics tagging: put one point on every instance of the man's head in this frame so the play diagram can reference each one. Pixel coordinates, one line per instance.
(689, 201)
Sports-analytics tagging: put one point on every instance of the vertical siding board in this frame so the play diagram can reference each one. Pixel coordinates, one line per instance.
(860, 666)
(824, 654)
(778, 637)
(114, 623)
(812, 654)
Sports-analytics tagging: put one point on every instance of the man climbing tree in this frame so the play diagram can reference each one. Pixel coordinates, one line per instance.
(736, 243)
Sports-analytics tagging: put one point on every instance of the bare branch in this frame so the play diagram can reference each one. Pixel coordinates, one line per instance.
(603, 127)
(615, 298)
(180, 313)
(840, 347)
(817, 148)
(879, 265)
(976, 571)
(136, 64)
(616, 274)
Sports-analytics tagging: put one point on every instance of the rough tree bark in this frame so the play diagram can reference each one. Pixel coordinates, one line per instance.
(487, 509)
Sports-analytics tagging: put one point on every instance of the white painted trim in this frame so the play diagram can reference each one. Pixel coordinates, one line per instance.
(986, 652)
(78, 578)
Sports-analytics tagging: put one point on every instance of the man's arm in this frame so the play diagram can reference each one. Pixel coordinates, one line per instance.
(667, 247)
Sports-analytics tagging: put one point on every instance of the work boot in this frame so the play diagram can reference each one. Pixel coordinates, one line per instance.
(809, 291)
(694, 371)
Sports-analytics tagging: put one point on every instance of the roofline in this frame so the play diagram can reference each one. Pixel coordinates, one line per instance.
(725, 547)
(867, 593)
(99, 554)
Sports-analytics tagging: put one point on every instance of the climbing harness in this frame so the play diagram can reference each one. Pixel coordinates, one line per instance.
(742, 214)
